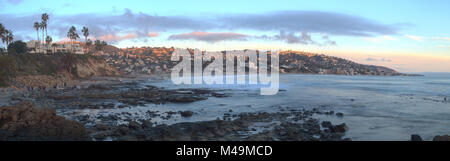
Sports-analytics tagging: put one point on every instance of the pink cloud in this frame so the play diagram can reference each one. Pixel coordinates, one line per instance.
(416, 38)
(115, 38)
(153, 34)
(67, 40)
(211, 37)
(110, 37)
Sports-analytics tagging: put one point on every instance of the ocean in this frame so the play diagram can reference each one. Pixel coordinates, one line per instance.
(374, 107)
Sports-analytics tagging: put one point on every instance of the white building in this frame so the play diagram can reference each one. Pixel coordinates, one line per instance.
(36, 47)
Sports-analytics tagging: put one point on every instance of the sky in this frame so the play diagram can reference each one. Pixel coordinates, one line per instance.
(406, 35)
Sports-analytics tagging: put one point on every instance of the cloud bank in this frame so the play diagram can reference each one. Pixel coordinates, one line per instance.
(302, 38)
(14, 2)
(294, 27)
(330, 23)
(378, 59)
(209, 37)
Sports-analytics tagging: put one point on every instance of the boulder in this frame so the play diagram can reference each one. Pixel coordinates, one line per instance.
(415, 137)
(147, 124)
(441, 138)
(33, 123)
(326, 124)
(186, 113)
(128, 138)
(341, 128)
(133, 125)
(101, 127)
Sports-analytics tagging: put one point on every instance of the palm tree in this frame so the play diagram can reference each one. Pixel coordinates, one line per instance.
(45, 18)
(36, 27)
(2, 33)
(54, 48)
(73, 36)
(85, 31)
(43, 26)
(88, 44)
(9, 37)
(48, 40)
(99, 45)
(2, 28)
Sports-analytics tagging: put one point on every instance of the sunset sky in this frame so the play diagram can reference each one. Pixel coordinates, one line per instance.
(406, 35)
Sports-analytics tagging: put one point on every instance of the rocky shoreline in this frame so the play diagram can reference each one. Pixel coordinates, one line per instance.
(42, 115)
(287, 126)
(114, 94)
(25, 121)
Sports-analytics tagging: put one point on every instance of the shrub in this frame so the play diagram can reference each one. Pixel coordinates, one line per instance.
(8, 68)
(2, 51)
(17, 47)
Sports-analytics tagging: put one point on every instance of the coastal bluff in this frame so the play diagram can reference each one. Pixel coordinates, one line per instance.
(20, 70)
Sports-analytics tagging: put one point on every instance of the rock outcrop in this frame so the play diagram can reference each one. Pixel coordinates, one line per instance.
(25, 121)
(441, 138)
(416, 137)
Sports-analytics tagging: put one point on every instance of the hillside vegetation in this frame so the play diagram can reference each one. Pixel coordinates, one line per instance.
(13, 67)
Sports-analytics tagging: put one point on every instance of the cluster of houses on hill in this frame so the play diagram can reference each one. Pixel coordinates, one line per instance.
(37, 47)
(151, 60)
